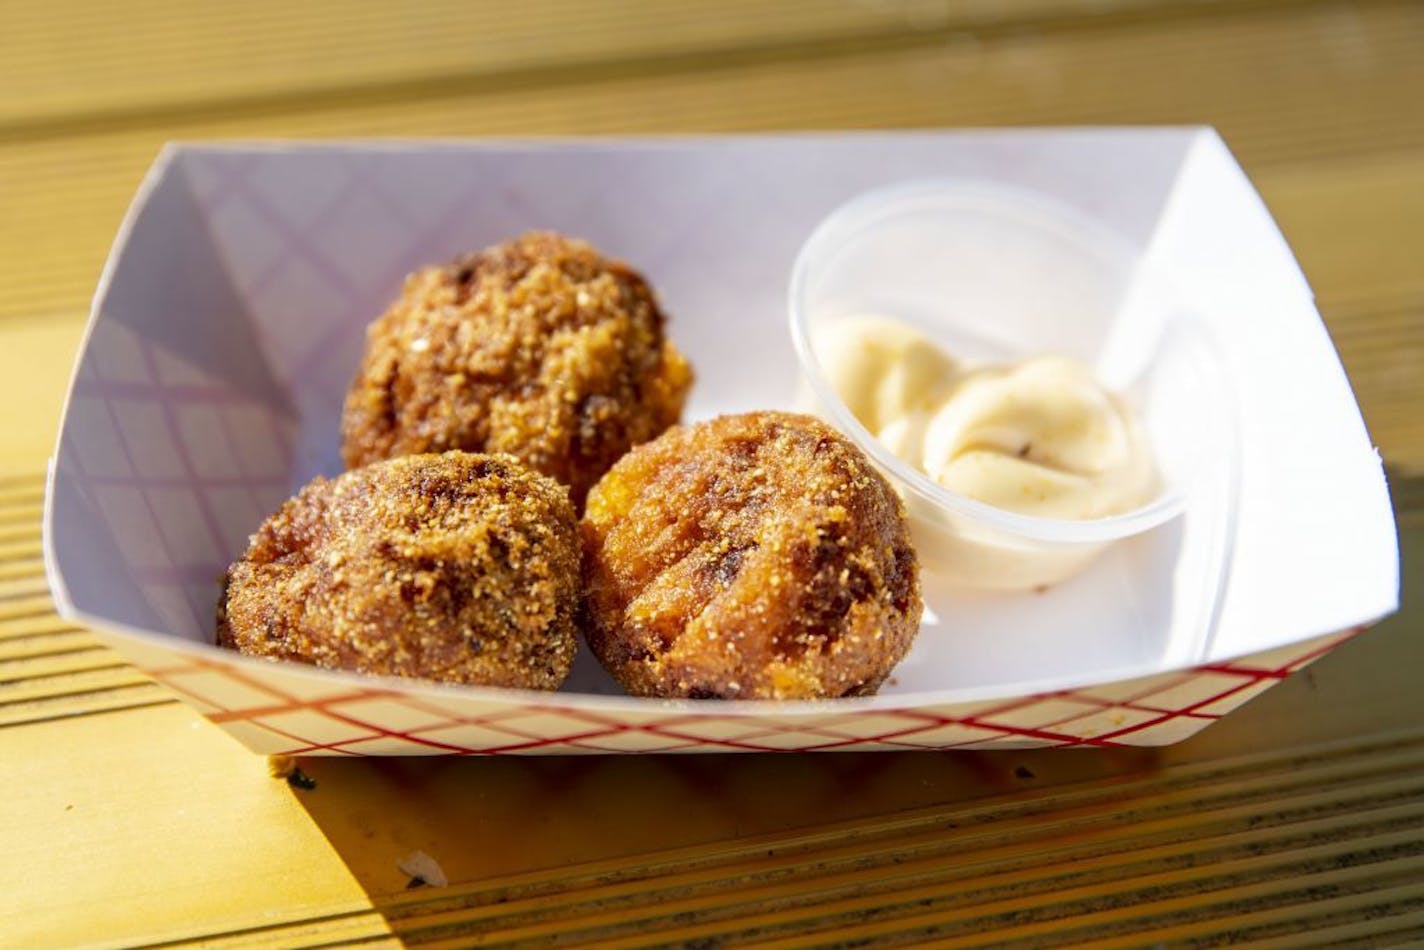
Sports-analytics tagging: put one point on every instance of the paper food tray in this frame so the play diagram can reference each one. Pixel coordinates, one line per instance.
(231, 316)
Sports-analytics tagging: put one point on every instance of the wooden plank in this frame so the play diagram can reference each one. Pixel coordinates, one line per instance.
(35, 361)
(1357, 227)
(78, 706)
(18, 492)
(19, 549)
(28, 607)
(57, 663)
(22, 514)
(1287, 86)
(21, 571)
(1353, 829)
(66, 677)
(177, 53)
(138, 825)
(89, 61)
(130, 833)
(750, 904)
(63, 642)
(22, 590)
(1360, 225)
(1386, 928)
(1383, 353)
(1327, 909)
(1217, 807)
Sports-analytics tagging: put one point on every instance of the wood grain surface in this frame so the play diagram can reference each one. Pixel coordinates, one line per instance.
(131, 821)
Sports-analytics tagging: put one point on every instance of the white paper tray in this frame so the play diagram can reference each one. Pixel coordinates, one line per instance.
(230, 319)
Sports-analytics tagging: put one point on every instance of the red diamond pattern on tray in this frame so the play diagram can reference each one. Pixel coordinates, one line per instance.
(1217, 708)
(954, 735)
(216, 691)
(381, 745)
(274, 708)
(318, 727)
(636, 741)
(1102, 721)
(875, 726)
(1205, 686)
(483, 736)
(391, 713)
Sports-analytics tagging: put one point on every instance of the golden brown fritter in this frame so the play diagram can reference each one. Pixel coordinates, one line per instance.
(455, 567)
(538, 347)
(757, 556)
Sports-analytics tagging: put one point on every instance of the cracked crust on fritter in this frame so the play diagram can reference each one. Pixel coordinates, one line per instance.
(753, 556)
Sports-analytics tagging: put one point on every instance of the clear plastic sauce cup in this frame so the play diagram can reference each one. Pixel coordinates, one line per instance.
(995, 274)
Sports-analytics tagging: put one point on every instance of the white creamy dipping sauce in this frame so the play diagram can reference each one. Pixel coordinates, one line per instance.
(1039, 436)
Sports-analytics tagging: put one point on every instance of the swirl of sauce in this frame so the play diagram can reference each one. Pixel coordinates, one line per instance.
(1038, 437)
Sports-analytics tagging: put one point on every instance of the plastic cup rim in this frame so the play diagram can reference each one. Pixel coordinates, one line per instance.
(866, 209)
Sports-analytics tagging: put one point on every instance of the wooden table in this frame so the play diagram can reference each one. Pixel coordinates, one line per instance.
(128, 819)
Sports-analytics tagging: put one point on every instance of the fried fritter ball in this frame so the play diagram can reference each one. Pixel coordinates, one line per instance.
(757, 556)
(538, 347)
(455, 567)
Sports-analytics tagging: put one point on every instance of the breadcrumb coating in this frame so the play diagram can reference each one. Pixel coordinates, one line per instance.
(456, 567)
(752, 556)
(538, 347)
